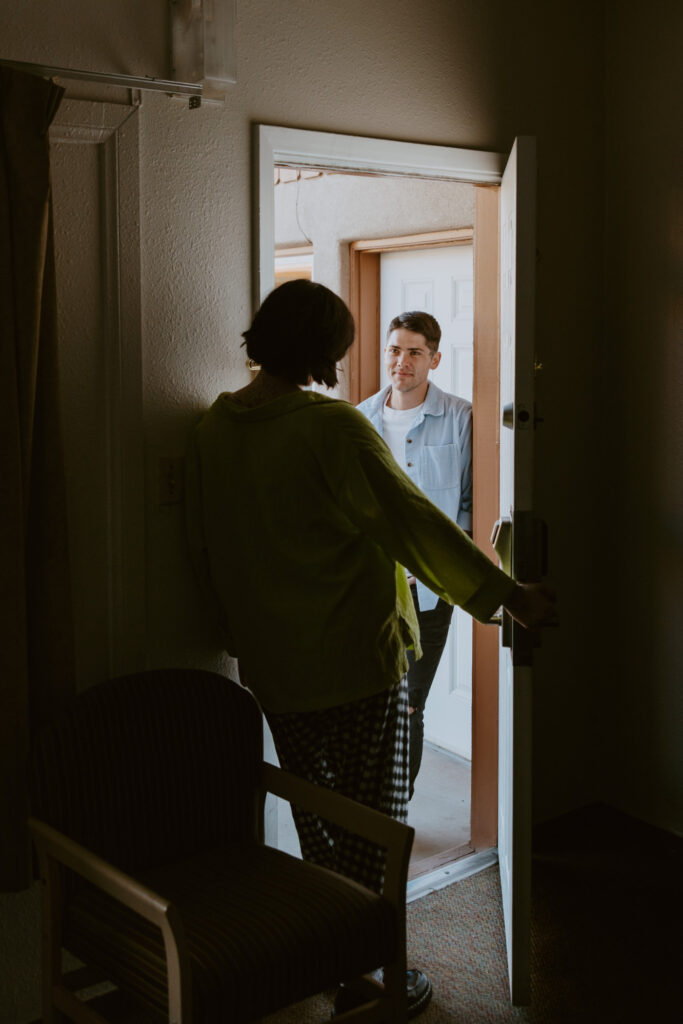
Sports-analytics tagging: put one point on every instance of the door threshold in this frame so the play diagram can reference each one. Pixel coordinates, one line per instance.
(431, 881)
(427, 865)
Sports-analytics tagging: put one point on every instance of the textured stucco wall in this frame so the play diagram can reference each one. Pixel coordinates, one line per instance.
(334, 210)
(123, 37)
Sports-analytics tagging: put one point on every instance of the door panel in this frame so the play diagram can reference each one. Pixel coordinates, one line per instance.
(517, 264)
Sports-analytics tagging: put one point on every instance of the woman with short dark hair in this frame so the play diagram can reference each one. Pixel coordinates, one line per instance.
(300, 520)
(300, 333)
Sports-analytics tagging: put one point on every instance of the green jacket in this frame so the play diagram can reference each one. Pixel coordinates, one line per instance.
(299, 521)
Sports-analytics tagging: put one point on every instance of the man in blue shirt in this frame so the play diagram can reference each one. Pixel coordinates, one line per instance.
(430, 435)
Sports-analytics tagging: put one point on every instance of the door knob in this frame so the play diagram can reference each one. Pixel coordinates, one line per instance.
(521, 418)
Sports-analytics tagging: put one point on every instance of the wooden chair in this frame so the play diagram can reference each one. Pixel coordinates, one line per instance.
(147, 802)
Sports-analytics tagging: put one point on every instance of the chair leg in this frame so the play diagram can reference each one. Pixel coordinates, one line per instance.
(51, 940)
(395, 993)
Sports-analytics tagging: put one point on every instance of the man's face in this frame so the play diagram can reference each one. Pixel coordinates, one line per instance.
(408, 360)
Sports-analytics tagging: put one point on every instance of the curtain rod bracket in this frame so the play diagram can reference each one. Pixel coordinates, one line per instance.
(193, 89)
(203, 55)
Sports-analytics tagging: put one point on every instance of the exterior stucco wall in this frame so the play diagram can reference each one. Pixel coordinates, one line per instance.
(337, 209)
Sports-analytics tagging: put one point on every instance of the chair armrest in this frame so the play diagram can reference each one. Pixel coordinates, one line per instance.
(393, 835)
(54, 846)
(105, 876)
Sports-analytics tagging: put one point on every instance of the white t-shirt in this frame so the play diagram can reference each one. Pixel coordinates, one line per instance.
(395, 425)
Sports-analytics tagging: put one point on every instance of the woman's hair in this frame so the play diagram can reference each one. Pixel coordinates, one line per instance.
(300, 333)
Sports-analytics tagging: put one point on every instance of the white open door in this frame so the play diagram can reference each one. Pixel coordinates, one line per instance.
(518, 548)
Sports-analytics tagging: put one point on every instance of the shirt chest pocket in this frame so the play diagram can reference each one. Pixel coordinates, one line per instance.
(440, 466)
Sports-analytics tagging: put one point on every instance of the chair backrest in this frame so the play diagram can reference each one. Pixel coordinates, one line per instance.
(149, 767)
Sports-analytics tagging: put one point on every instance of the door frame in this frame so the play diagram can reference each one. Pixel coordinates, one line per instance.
(364, 380)
(275, 145)
(364, 298)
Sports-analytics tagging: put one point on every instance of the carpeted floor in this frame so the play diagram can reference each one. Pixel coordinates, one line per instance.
(607, 928)
(457, 936)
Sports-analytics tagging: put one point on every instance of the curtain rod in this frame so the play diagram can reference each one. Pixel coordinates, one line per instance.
(128, 81)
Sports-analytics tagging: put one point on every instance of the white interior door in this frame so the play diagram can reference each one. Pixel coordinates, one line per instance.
(517, 263)
(440, 281)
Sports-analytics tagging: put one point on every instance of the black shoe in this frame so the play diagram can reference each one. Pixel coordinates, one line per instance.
(418, 991)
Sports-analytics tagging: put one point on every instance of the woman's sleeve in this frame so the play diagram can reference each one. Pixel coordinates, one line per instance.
(382, 501)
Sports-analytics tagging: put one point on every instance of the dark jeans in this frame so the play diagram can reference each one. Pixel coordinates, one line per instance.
(433, 635)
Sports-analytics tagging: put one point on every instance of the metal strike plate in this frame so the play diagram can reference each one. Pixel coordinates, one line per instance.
(501, 541)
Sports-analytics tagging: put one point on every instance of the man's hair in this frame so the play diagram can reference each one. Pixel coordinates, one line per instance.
(418, 323)
(301, 331)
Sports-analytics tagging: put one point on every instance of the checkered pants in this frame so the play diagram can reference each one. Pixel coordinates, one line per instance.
(360, 750)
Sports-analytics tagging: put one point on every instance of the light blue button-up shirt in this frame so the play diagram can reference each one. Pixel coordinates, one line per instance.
(438, 457)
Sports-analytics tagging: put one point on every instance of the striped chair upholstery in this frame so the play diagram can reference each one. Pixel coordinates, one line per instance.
(158, 774)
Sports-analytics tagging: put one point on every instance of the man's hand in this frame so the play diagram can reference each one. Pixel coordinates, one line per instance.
(533, 605)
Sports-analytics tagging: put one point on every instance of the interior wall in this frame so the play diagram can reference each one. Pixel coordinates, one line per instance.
(116, 36)
(642, 441)
(334, 210)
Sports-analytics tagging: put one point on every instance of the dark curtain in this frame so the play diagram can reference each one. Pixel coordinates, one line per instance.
(36, 645)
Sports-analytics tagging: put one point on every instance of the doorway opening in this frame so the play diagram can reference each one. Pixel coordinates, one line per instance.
(433, 271)
(425, 207)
